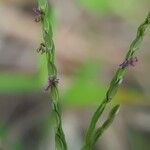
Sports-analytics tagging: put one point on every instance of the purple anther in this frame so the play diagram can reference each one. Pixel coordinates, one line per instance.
(38, 14)
(130, 62)
(51, 82)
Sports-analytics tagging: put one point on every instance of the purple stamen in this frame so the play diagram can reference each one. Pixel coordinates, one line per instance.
(38, 14)
(133, 61)
(130, 62)
(51, 81)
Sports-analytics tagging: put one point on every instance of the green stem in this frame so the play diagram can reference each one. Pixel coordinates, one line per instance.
(115, 83)
(43, 6)
(105, 125)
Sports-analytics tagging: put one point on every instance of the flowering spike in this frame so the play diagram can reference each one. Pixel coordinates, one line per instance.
(43, 15)
(114, 85)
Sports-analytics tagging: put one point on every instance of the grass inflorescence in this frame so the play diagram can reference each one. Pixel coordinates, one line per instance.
(47, 47)
(130, 60)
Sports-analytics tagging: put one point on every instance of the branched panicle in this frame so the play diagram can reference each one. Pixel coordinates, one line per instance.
(47, 47)
(93, 134)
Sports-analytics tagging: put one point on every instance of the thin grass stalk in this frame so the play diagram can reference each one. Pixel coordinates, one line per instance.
(105, 125)
(130, 60)
(48, 48)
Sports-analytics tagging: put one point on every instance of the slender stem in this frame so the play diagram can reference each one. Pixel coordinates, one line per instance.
(106, 124)
(43, 6)
(115, 83)
(91, 128)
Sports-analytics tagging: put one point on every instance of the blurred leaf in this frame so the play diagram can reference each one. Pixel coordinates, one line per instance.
(86, 87)
(17, 146)
(3, 131)
(16, 82)
(123, 8)
(96, 5)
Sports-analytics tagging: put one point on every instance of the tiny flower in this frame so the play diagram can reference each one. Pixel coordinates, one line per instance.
(133, 61)
(130, 62)
(38, 14)
(52, 81)
(41, 48)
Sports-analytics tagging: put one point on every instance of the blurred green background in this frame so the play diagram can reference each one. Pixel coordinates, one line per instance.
(91, 38)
